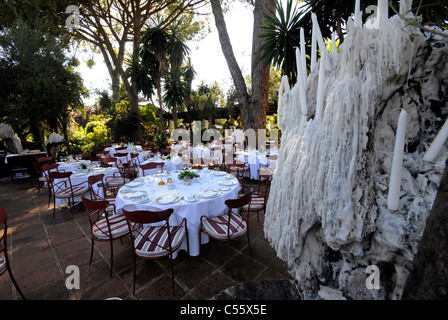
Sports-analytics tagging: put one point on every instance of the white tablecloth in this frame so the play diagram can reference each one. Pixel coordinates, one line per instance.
(80, 177)
(169, 166)
(192, 211)
(129, 149)
(256, 160)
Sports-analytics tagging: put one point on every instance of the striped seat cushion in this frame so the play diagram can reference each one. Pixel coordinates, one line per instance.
(217, 227)
(118, 226)
(118, 182)
(2, 264)
(67, 193)
(157, 245)
(257, 203)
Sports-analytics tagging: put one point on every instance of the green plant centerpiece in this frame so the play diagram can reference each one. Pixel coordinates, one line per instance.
(187, 175)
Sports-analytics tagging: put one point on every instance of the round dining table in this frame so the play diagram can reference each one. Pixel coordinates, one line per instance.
(80, 176)
(205, 195)
(170, 166)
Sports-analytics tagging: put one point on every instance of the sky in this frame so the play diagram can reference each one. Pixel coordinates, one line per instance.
(206, 55)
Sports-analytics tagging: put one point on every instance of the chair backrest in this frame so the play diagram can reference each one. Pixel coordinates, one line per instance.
(238, 203)
(105, 161)
(45, 159)
(121, 158)
(120, 154)
(148, 166)
(145, 216)
(95, 209)
(92, 180)
(134, 158)
(62, 183)
(120, 148)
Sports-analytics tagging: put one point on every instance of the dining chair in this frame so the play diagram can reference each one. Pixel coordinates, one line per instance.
(260, 193)
(155, 241)
(96, 184)
(119, 179)
(38, 166)
(231, 225)
(239, 169)
(63, 188)
(122, 158)
(107, 162)
(150, 166)
(135, 163)
(86, 155)
(105, 225)
(46, 168)
(4, 259)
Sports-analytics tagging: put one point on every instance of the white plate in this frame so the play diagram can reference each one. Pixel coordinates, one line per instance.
(134, 184)
(135, 194)
(208, 194)
(168, 199)
(220, 173)
(224, 188)
(227, 183)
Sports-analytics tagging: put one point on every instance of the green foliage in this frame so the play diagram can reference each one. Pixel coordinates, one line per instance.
(281, 35)
(44, 87)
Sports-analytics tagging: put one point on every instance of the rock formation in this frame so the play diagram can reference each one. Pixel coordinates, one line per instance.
(327, 214)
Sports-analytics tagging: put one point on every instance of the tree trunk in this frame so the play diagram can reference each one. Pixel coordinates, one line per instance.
(256, 114)
(175, 116)
(253, 108)
(428, 279)
(226, 47)
(65, 132)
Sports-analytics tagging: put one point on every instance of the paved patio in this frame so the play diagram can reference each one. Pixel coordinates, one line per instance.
(41, 248)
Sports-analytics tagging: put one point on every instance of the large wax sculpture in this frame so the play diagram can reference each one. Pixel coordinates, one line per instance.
(328, 215)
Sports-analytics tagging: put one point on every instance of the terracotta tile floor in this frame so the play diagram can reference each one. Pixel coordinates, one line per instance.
(43, 247)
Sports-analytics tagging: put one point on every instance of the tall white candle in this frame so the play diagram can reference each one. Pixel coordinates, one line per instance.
(357, 13)
(319, 38)
(393, 197)
(437, 144)
(303, 55)
(301, 84)
(321, 86)
(405, 7)
(313, 47)
(383, 12)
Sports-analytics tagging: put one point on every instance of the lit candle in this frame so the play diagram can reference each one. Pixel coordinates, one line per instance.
(321, 86)
(357, 13)
(437, 144)
(393, 197)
